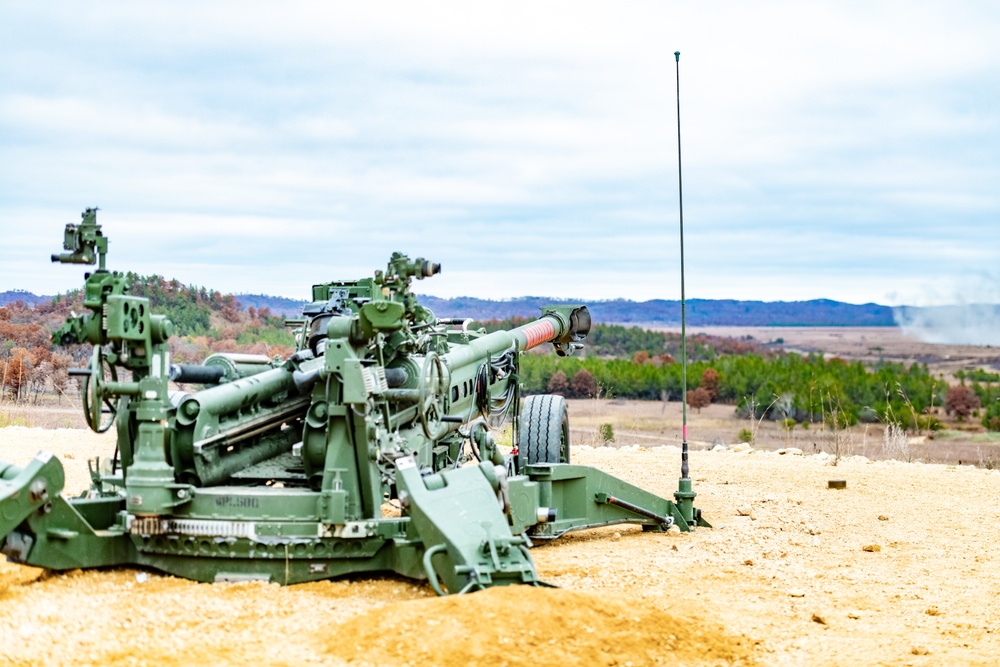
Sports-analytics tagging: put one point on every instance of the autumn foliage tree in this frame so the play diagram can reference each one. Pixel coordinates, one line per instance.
(699, 398)
(961, 401)
(710, 382)
(583, 385)
(16, 373)
(558, 384)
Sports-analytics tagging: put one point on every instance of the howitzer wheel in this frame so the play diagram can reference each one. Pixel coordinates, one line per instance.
(434, 382)
(98, 410)
(544, 431)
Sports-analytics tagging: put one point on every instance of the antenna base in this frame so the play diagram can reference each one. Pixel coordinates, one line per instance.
(684, 497)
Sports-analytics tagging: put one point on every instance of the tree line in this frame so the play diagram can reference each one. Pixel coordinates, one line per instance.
(777, 386)
(626, 362)
(756, 378)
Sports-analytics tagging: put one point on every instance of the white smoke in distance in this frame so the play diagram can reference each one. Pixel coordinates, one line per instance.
(972, 319)
(968, 324)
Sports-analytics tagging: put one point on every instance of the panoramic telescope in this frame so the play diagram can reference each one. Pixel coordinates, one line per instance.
(370, 448)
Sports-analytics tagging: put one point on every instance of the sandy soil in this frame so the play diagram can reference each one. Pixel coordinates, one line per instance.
(894, 570)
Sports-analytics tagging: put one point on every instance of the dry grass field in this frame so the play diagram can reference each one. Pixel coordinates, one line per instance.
(869, 344)
(650, 424)
(960, 442)
(896, 569)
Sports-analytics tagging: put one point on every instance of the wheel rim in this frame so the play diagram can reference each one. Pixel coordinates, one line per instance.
(432, 381)
(564, 442)
(96, 404)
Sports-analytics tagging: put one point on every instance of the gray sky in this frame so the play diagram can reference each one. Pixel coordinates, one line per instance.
(843, 150)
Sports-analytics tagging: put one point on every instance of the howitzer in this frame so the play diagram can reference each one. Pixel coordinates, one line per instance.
(371, 448)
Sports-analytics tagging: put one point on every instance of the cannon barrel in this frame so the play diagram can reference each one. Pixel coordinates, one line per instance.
(558, 324)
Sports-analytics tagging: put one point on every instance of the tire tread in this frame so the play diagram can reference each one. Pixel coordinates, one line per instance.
(542, 421)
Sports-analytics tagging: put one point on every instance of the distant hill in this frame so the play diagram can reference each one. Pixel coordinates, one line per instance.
(278, 305)
(11, 296)
(700, 312)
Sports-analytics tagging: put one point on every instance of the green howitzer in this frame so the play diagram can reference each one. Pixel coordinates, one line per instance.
(371, 448)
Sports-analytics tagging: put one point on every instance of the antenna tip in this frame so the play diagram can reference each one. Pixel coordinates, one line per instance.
(677, 56)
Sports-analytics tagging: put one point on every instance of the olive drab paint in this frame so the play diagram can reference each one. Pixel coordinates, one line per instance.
(249, 468)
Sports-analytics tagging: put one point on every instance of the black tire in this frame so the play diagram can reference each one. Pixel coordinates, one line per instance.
(544, 431)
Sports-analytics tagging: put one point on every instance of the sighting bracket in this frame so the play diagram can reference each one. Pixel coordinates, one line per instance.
(83, 240)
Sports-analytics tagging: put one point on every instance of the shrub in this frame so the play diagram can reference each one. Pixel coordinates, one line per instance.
(558, 384)
(710, 381)
(868, 415)
(583, 385)
(929, 423)
(607, 433)
(961, 400)
(699, 398)
(745, 436)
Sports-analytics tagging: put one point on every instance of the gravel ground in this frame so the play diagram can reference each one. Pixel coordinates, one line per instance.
(897, 569)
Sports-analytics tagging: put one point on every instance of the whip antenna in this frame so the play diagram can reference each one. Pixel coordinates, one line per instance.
(684, 495)
(680, 202)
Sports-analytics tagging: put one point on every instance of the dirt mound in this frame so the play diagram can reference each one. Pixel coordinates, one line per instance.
(788, 577)
(536, 627)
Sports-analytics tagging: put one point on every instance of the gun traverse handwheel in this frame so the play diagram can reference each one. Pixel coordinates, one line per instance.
(98, 409)
(433, 385)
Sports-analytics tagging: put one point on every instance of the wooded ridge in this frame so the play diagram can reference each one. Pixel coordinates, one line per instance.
(662, 312)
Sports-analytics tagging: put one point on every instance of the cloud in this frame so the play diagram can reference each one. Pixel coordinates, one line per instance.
(839, 150)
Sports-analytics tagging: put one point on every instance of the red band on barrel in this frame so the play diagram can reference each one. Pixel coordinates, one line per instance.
(538, 332)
